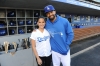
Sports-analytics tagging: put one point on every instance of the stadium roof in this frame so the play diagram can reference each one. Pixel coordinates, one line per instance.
(39, 4)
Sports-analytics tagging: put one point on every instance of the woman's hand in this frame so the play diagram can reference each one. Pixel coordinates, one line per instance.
(34, 30)
(39, 61)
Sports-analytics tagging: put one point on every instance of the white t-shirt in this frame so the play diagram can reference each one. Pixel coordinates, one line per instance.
(42, 42)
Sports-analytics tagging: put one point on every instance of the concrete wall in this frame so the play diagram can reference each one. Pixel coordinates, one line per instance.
(13, 38)
(20, 58)
(23, 57)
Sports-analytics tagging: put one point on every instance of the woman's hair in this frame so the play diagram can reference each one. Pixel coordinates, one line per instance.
(38, 20)
(41, 17)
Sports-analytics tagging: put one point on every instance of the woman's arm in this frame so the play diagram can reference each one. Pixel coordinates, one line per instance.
(35, 51)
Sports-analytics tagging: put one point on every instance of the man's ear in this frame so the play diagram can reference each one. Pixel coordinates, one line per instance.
(54, 12)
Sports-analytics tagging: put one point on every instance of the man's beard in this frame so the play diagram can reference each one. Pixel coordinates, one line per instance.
(51, 19)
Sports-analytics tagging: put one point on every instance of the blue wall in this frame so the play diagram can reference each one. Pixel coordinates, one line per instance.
(82, 20)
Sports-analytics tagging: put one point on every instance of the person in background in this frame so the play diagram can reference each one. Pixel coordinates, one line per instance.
(40, 39)
(61, 36)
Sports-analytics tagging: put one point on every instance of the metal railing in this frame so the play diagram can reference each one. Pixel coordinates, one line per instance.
(89, 2)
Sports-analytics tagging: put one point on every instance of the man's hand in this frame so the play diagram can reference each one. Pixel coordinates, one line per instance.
(34, 30)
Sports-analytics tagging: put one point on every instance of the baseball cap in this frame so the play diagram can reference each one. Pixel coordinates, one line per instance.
(48, 8)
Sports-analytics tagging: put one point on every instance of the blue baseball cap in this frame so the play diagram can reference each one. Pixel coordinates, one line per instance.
(48, 8)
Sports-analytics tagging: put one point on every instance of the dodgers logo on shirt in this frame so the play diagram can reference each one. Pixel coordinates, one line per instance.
(52, 33)
(40, 39)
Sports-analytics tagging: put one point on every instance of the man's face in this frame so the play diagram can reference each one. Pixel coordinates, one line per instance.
(51, 15)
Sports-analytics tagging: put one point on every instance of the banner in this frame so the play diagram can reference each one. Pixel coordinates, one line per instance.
(76, 18)
(95, 19)
(87, 18)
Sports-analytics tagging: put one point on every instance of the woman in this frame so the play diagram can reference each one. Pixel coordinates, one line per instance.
(40, 39)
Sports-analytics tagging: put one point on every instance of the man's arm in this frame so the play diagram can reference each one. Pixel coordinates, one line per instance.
(69, 32)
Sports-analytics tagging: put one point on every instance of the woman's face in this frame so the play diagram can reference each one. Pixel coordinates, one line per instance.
(41, 23)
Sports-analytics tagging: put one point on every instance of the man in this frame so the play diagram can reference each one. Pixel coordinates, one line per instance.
(61, 36)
